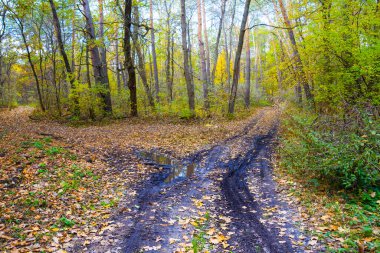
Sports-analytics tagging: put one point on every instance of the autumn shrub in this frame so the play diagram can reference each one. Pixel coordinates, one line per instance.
(339, 153)
(90, 104)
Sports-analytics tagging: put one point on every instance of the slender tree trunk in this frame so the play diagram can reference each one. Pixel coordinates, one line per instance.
(169, 80)
(228, 65)
(189, 45)
(172, 64)
(155, 68)
(207, 48)
(278, 62)
(128, 63)
(32, 66)
(73, 40)
(235, 80)
(202, 57)
(99, 70)
(54, 80)
(88, 75)
(69, 70)
(216, 52)
(140, 58)
(142, 73)
(256, 70)
(247, 92)
(299, 65)
(229, 56)
(189, 83)
(117, 60)
(102, 50)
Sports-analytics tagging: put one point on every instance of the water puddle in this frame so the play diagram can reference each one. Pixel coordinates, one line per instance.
(178, 170)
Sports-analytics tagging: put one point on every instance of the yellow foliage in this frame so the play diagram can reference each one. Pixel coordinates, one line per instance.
(221, 69)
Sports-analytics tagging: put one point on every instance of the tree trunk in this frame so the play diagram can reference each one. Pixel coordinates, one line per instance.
(73, 40)
(21, 26)
(169, 80)
(202, 57)
(229, 55)
(247, 92)
(207, 48)
(278, 61)
(189, 83)
(299, 65)
(117, 60)
(216, 52)
(155, 68)
(100, 71)
(256, 70)
(189, 46)
(235, 80)
(128, 63)
(61, 46)
(140, 58)
(88, 75)
(102, 50)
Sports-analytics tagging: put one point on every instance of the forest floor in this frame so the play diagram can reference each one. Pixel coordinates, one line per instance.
(145, 186)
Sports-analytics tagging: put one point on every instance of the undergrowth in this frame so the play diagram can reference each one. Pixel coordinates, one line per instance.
(345, 155)
(335, 162)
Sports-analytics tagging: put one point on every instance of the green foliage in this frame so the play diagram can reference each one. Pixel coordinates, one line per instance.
(200, 240)
(35, 202)
(65, 222)
(54, 151)
(340, 156)
(90, 103)
(38, 144)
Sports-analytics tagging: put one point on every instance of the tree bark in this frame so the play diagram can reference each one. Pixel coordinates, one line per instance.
(207, 48)
(235, 80)
(21, 26)
(296, 55)
(216, 52)
(100, 71)
(102, 50)
(229, 55)
(256, 70)
(128, 63)
(117, 60)
(140, 58)
(90, 110)
(73, 41)
(247, 92)
(69, 70)
(168, 61)
(202, 57)
(278, 61)
(154, 56)
(189, 83)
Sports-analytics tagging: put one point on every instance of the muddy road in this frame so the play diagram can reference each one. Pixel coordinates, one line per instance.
(220, 199)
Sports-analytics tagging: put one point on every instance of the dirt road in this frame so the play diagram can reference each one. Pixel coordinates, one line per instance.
(220, 199)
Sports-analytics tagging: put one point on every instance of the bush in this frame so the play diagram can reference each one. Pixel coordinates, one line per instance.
(323, 149)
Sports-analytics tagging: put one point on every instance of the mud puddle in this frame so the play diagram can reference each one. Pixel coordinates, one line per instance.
(177, 170)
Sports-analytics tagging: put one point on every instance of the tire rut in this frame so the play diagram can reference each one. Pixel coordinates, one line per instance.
(231, 160)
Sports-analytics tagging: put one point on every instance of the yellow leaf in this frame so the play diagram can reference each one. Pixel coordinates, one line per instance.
(211, 231)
